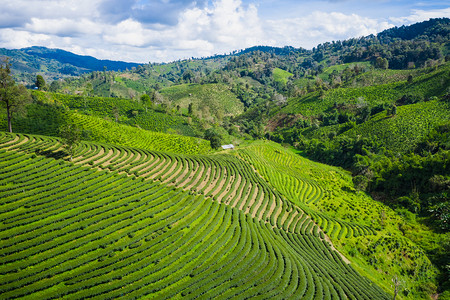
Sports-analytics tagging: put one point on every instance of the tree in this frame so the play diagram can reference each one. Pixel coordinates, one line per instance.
(279, 99)
(13, 97)
(382, 63)
(40, 82)
(391, 111)
(214, 137)
(146, 101)
(116, 113)
(55, 86)
(190, 109)
(157, 98)
(71, 136)
(410, 78)
(396, 283)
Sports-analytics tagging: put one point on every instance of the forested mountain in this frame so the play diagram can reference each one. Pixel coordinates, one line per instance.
(54, 64)
(338, 186)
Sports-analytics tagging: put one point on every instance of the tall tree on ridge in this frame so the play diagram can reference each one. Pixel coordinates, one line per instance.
(13, 97)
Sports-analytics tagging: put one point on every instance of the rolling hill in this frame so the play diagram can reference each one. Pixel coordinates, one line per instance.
(337, 186)
(116, 221)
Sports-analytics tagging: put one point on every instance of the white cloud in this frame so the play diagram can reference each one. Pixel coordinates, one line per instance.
(63, 26)
(224, 27)
(319, 27)
(418, 15)
(128, 32)
(10, 38)
(194, 29)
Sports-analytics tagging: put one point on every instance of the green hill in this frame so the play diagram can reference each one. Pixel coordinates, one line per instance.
(402, 132)
(99, 233)
(110, 132)
(125, 111)
(207, 100)
(48, 118)
(55, 64)
(336, 188)
(434, 83)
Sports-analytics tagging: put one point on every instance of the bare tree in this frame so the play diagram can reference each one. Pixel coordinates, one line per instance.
(396, 283)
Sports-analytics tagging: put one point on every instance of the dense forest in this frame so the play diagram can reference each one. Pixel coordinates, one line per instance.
(376, 107)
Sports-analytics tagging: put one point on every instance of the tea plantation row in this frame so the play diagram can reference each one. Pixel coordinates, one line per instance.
(70, 230)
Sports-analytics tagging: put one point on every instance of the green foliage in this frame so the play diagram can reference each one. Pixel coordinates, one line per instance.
(126, 111)
(12, 97)
(377, 106)
(110, 132)
(208, 100)
(346, 216)
(401, 132)
(40, 82)
(434, 83)
(108, 235)
(214, 137)
(382, 63)
(281, 76)
(145, 99)
(71, 136)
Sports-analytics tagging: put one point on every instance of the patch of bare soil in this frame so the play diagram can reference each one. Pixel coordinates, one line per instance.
(283, 120)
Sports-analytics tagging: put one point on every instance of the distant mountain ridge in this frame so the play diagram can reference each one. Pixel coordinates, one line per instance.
(82, 61)
(55, 63)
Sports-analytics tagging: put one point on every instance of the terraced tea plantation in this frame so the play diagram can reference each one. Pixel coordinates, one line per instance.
(135, 223)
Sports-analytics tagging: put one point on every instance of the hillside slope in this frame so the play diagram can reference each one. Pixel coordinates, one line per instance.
(278, 223)
(98, 233)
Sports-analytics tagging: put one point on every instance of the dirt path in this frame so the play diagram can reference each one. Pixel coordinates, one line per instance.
(327, 238)
(290, 221)
(105, 157)
(175, 175)
(215, 181)
(164, 170)
(195, 167)
(195, 177)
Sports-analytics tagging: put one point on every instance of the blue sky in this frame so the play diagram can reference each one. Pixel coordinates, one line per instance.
(166, 30)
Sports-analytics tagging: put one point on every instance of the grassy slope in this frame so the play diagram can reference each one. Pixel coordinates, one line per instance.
(217, 97)
(434, 83)
(101, 130)
(281, 76)
(400, 133)
(145, 118)
(379, 257)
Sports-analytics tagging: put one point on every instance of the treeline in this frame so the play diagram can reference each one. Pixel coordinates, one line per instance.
(417, 180)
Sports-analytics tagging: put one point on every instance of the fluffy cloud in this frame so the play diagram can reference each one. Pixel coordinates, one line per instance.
(225, 26)
(164, 12)
(164, 30)
(319, 27)
(418, 15)
(14, 39)
(63, 27)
